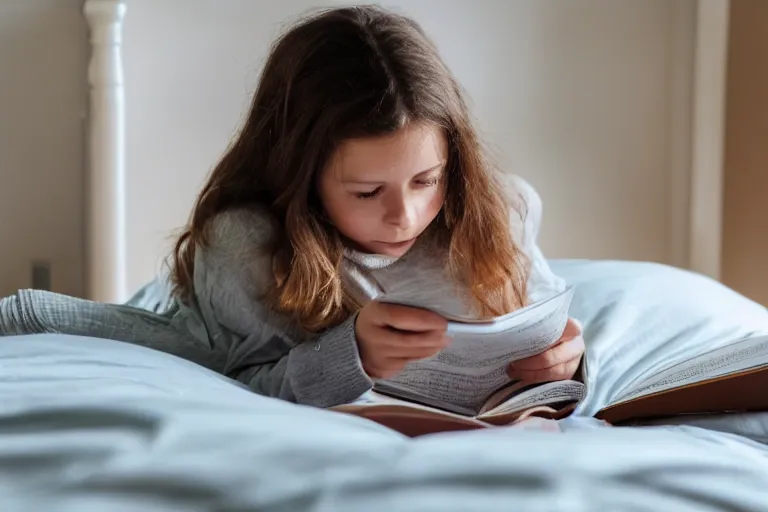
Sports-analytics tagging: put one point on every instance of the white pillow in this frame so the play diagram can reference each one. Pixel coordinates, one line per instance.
(642, 317)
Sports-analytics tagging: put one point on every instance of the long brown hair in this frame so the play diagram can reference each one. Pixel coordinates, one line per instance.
(349, 73)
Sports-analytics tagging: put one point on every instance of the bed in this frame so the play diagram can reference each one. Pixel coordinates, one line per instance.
(91, 424)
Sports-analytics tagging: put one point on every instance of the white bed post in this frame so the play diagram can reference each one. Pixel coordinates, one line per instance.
(105, 189)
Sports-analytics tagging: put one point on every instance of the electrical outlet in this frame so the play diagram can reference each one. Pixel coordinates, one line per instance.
(41, 275)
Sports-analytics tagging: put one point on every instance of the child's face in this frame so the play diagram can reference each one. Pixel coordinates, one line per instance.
(382, 192)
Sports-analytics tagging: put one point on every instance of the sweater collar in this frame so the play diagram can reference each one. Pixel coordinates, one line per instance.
(370, 261)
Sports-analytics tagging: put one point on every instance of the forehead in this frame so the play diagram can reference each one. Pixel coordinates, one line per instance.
(409, 151)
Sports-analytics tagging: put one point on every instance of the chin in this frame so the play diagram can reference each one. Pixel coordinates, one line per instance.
(393, 250)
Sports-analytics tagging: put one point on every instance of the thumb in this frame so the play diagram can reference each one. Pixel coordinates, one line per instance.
(573, 329)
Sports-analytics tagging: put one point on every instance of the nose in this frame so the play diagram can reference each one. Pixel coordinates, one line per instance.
(399, 212)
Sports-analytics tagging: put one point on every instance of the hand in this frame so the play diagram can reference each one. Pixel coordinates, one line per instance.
(559, 362)
(390, 336)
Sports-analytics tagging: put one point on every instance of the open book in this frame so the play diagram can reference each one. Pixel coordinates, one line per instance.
(730, 378)
(466, 385)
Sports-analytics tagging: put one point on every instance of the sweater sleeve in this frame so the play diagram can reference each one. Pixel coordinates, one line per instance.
(526, 219)
(267, 351)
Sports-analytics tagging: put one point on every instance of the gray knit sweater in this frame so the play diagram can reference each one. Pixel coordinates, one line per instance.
(230, 330)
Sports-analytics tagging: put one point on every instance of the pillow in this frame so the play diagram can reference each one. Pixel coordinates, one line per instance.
(640, 318)
(154, 296)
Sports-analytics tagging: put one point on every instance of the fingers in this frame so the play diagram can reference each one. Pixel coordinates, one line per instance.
(562, 371)
(414, 345)
(411, 352)
(560, 362)
(390, 336)
(558, 354)
(406, 318)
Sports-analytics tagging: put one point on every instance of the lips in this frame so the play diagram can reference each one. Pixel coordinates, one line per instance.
(395, 244)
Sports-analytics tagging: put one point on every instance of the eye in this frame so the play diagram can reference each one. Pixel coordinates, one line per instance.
(368, 195)
(430, 181)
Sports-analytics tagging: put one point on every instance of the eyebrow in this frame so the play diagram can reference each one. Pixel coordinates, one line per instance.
(363, 182)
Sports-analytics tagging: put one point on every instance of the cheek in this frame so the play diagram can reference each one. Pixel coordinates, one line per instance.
(349, 215)
(331, 197)
(434, 205)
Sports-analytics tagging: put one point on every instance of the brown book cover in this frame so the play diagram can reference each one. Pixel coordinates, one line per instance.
(743, 391)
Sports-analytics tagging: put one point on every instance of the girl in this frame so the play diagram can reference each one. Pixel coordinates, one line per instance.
(357, 173)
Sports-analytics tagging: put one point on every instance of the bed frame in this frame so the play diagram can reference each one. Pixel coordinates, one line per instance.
(696, 232)
(105, 182)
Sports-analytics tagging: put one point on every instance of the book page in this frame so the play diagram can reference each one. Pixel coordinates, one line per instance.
(545, 394)
(392, 392)
(733, 358)
(474, 364)
(372, 398)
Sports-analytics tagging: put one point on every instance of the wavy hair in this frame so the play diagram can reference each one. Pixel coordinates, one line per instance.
(340, 74)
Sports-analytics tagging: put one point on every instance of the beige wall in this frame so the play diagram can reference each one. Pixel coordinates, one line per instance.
(585, 98)
(745, 223)
(577, 96)
(43, 97)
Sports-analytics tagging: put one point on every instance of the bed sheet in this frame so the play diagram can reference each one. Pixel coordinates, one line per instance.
(95, 425)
